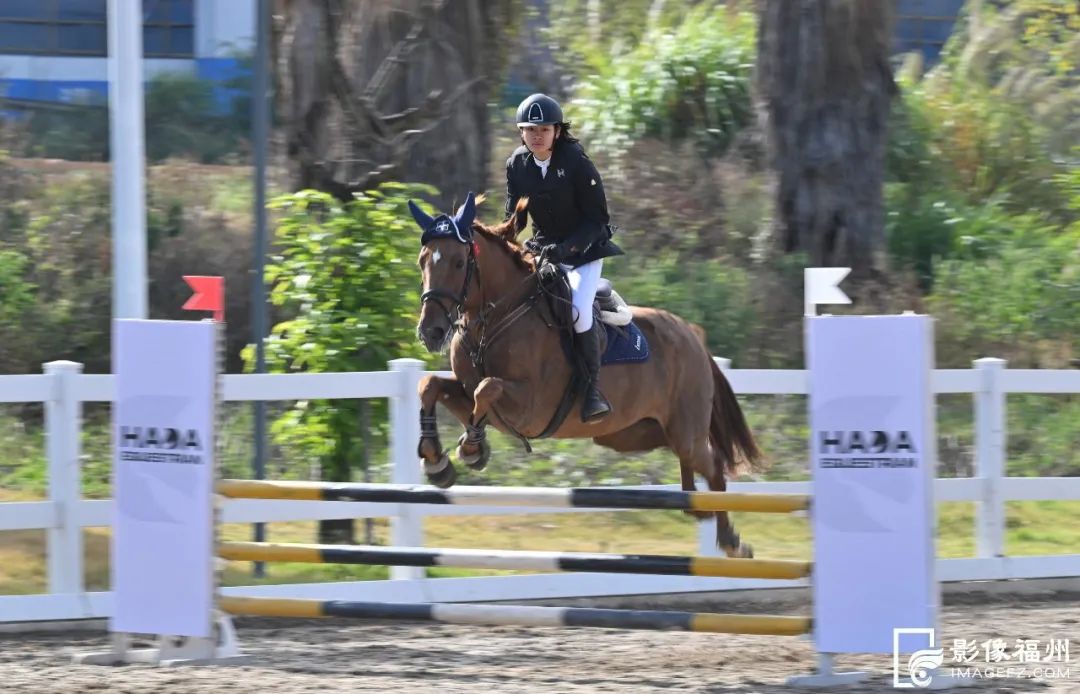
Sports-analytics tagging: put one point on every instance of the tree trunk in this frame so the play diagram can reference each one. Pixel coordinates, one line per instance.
(373, 91)
(824, 87)
(339, 468)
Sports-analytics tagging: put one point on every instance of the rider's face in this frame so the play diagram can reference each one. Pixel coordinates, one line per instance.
(539, 139)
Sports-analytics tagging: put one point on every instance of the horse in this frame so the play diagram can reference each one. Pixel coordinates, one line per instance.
(486, 298)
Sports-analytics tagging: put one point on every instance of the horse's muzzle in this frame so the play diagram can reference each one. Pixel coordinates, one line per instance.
(435, 338)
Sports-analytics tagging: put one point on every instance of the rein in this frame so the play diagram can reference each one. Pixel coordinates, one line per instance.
(488, 332)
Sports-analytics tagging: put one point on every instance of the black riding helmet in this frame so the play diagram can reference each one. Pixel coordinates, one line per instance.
(539, 109)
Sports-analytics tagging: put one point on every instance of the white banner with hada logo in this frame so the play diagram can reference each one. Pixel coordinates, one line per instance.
(163, 437)
(873, 461)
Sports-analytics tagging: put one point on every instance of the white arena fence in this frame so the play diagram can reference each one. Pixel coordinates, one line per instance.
(63, 389)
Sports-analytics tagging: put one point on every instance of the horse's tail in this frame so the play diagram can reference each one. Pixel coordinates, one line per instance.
(729, 433)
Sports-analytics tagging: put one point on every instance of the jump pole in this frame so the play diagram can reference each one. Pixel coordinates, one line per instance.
(515, 560)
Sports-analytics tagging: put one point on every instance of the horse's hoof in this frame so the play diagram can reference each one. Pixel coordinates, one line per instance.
(445, 475)
(743, 551)
(478, 461)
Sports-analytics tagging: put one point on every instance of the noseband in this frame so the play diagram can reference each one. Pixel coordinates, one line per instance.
(437, 295)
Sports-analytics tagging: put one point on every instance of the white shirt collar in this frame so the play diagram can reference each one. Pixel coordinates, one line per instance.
(543, 166)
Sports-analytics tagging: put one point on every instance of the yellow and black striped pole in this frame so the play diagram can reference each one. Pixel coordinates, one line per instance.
(578, 497)
(522, 615)
(515, 560)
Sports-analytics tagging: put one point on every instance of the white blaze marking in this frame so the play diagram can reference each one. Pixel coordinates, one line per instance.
(435, 257)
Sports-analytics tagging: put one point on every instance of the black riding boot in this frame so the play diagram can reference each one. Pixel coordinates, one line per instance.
(595, 405)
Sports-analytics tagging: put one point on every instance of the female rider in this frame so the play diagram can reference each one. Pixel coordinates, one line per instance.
(569, 220)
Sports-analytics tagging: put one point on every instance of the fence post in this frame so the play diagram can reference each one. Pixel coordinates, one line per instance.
(990, 458)
(706, 529)
(407, 525)
(63, 448)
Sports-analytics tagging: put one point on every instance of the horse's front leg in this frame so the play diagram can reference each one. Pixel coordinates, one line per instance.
(473, 448)
(448, 391)
(514, 399)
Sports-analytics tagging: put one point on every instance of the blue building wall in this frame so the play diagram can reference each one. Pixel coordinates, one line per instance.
(201, 38)
(924, 26)
(224, 74)
(61, 91)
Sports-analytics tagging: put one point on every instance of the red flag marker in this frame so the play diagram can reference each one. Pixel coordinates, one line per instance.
(209, 295)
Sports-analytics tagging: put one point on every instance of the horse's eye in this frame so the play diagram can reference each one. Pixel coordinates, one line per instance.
(460, 264)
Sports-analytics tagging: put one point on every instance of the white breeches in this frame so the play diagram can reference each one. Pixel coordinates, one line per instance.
(583, 281)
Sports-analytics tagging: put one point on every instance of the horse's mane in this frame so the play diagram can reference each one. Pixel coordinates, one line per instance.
(507, 232)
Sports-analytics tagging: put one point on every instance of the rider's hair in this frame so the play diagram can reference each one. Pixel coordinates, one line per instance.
(564, 132)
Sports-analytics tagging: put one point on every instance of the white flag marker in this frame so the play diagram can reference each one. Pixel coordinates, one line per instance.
(822, 286)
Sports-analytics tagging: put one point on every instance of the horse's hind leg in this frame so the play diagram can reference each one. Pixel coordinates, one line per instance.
(726, 537)
(647, 435)
(689, 439)
(686, 476)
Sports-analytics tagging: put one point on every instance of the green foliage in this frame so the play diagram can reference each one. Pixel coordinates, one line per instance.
(1002, 282)
(910, 155)
(55, 281)
(981, 180)
(686, 82)
(346, 278)
(998, 116)
(182, 120)
(586, 28)
(76, 133)
(1050, 28)
(23, 467)
(1044, 440)
(16, 294)
(919, 229)
(925, 227)
(56, 258)
(1014, 296)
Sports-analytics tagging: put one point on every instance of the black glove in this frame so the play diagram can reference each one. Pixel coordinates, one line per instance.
(548, 272)
(552, 253)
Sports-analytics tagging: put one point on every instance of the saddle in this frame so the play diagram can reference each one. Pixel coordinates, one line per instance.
(608, 308)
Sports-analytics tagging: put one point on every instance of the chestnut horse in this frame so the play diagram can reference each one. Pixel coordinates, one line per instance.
(484, 299)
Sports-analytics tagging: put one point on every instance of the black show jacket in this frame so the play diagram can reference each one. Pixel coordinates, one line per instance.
(567, 207)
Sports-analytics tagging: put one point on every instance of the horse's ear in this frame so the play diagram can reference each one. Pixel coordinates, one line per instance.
(466, 213)
(422, 218)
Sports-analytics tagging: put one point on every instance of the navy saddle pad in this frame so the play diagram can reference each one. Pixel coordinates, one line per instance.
(625, 345)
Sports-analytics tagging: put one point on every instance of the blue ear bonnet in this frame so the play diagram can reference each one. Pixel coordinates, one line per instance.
(443, 226)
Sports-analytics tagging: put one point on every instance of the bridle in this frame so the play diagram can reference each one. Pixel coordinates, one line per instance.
(437, 295)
